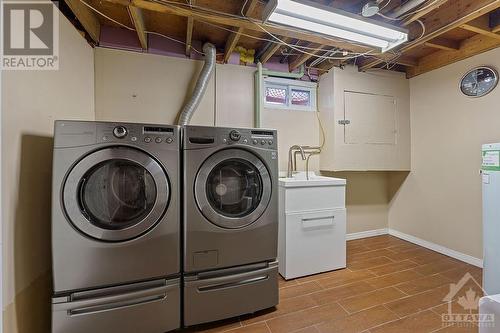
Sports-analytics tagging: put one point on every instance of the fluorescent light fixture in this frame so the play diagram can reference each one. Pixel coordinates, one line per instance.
(314, 17)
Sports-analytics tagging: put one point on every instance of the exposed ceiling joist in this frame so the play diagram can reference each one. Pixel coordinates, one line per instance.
(234, 22)
(233, 38)
(470, 47)
(443, 44)
(272, 49)
(406, 61)
(437, 23)
(424, 11)
(298, 60)
(189, 35)
(481, 25)
(87, 18)
(328, 64)
(138, 22)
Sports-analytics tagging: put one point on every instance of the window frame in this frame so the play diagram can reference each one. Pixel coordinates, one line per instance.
(289, 85)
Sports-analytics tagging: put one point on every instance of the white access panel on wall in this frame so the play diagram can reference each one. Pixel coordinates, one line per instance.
(371, 118)
(366, 117)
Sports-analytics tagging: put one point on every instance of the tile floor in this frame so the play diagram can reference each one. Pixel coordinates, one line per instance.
(389, 285)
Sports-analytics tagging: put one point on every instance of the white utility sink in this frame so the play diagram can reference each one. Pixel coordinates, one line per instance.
(300, 179)
(312, 225)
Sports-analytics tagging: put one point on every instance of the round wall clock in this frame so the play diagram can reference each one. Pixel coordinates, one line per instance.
(479, 81)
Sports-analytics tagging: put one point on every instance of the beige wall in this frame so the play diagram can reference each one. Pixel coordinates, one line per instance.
(138, 87)
(440, 200)
(31, 101)
(367, 198)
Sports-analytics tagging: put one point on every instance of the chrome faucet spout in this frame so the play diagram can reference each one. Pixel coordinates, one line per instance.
(292, 160)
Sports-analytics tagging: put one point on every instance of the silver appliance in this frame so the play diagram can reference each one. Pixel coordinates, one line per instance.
(490, 172)
(115, 227)
(230, 222)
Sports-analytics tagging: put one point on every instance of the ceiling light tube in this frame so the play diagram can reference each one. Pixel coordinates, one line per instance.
(333, 22)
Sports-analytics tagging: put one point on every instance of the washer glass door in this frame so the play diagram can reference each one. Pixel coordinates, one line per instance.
(233, 188)
(116, 194)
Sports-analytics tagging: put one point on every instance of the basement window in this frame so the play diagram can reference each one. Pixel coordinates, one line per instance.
(289, 94)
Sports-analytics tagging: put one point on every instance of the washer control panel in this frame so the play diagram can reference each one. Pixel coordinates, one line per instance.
(196, 137)
(251, 137)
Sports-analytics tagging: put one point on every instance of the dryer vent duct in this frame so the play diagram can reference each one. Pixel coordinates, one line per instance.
(201, 85)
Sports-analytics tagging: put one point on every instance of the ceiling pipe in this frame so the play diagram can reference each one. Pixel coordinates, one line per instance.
(201, 85)
(403, 9)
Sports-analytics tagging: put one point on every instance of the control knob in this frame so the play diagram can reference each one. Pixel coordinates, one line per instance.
(234, 135)
(119, 132)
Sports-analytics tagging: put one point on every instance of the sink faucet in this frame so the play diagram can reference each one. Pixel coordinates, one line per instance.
(303, 151)
(293, 166)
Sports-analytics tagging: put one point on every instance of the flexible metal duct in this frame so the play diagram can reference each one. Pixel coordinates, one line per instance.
(201, 85)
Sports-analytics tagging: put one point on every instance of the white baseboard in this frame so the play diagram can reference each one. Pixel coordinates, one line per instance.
(368, 233)
(438, 248)
(415, 240)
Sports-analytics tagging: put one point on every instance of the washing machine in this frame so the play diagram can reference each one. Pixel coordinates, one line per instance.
(115, 227)
(230, 222)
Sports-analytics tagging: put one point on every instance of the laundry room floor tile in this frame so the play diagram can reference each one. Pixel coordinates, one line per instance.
(423, 322)
(370, 299)
(360, 321)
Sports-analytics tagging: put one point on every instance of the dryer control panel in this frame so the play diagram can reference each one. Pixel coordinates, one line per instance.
(78, 133)
(149, 134)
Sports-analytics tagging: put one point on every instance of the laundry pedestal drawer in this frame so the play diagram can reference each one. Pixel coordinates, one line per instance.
(230, 293)
(152, 306)
(312, 225)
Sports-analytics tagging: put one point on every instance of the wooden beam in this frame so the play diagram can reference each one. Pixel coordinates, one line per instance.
(470, 47)
(481, 25)
(87, 18)
(298, 60)
(407, 61)
(423, 12)
(277, 29)
(189, 35)
(328, 64)
(443, 44)
(234, 37)
(138, 22)
(272, 49)
(451, 16)
(231, 42)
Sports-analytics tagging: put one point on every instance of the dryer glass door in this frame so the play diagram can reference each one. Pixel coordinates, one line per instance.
(233, 188)
(116, 194)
